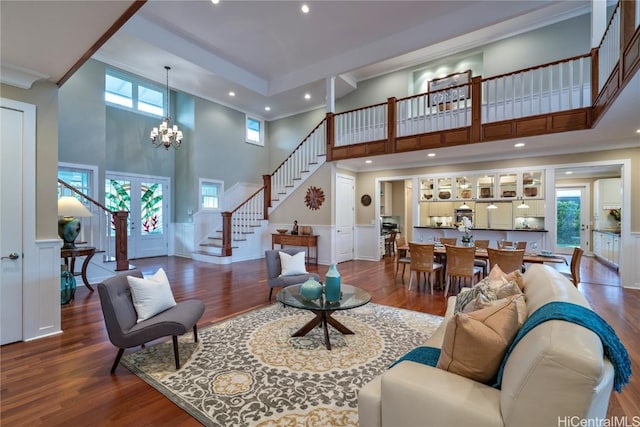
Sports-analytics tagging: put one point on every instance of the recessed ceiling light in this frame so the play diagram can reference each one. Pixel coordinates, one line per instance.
(637, 130)
(305, 8)
(307, 96)
(232, 94)
(568, 172)
(431, 155)
(215, 1)
(267, 108)
(368, 161)
(519, 145)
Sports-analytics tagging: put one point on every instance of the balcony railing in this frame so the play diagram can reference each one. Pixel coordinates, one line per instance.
(565, 95)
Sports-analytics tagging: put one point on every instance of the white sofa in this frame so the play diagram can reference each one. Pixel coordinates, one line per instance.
(557, 371)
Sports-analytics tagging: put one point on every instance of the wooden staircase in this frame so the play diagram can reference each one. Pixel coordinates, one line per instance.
(238, 235)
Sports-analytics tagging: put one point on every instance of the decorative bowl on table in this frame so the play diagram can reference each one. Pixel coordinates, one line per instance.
(546, 253)
(281, 230)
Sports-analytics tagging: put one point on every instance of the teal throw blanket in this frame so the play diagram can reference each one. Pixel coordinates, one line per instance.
(587, 318)
(425, 355)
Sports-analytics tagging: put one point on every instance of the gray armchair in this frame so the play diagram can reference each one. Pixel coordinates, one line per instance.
(120, 317)
(274, 268)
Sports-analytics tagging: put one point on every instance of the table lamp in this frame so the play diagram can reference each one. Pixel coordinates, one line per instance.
(68, 225)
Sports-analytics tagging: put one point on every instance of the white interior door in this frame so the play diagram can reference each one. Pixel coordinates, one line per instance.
(11, 250)
(147, 199)
(345, 217)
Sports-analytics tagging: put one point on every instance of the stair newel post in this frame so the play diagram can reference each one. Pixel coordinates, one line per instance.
(391, 125)
(476, 109)
(120, 224)
(329, 136)
(226, 233)
(266, 180)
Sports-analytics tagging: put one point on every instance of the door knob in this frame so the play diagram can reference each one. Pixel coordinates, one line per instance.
(11, 256)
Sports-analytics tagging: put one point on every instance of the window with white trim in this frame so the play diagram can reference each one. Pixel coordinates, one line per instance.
(211, 193)
(128, 93)
(254, 130)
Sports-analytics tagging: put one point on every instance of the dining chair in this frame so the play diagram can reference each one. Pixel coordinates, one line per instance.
(460, 266)
(402, 256)
(508, 259)
(451, 241)
(422, 262)
(390, 243)
(509, 244)
(574, 274)
(484, 263)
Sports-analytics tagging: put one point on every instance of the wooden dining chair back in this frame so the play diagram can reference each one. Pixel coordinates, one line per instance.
(576, 258)
(390, 243)
(422, 262)
(508, 259)
(448, 240)
(484, 263)
(460, 267)
(402, 256)
(502, 244)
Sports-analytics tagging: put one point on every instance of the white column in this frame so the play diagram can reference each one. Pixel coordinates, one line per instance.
(331, 94)
(598, 21)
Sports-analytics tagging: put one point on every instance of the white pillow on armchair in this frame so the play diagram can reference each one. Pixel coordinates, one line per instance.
(292, 265)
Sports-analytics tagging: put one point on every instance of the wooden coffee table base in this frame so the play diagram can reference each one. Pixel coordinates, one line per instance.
(322, 318)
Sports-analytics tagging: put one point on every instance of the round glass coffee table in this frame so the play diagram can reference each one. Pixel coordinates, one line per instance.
(350, 297)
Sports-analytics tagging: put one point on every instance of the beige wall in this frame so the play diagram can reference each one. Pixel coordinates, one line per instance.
(44, 95)
(366, 180)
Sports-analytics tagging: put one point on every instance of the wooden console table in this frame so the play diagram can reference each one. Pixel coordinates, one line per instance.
(305, 240)
(72, 254)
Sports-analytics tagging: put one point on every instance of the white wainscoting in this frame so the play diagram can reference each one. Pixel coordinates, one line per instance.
(367, 242)
(181, 239)
(41, 289)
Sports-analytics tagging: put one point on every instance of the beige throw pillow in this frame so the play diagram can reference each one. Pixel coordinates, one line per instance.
(475, 343)
(497, 277)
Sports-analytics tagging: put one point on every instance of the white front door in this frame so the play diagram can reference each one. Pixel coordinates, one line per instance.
(147, 199)
(11, 250)
(345, 211)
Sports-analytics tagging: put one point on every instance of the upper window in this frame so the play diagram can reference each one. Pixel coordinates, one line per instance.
(210, 193)
(254, 131)
(126, 92)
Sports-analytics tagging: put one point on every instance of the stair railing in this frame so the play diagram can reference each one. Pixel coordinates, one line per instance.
(99, 235)
(250, 213)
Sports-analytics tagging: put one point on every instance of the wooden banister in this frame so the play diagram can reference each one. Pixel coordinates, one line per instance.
(120, 224)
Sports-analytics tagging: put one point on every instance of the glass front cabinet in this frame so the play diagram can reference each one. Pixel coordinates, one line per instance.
(532, 184)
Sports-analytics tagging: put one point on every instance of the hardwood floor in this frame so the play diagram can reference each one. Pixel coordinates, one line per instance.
(65, 380)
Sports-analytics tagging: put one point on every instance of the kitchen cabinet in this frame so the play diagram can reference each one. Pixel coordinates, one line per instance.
(486, 186)
(481, 215)
(442, 209)
(532, 184)
(606, 196)
(386, 198)
(606, 246)
(508, 185)
(536, 209)
(501, 218)
(464, 188)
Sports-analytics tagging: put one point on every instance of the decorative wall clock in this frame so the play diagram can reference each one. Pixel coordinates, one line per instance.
(365, 200)
(314, 198)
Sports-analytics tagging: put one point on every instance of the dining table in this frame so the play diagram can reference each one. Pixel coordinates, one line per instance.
(529, 257)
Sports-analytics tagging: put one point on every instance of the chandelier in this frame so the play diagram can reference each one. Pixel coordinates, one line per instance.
(166, 135)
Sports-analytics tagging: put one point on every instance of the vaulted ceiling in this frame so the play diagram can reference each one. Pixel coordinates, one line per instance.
(269, 53)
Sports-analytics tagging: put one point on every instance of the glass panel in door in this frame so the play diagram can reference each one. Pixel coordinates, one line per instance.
(570, 219)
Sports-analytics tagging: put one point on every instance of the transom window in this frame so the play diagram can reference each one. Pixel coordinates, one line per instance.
(126, 92)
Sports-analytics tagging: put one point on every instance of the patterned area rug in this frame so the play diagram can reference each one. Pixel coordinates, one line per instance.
(248, 371)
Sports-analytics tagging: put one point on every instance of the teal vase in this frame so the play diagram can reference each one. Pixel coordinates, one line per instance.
(311, 289)
(332, 284)
(67, 286)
